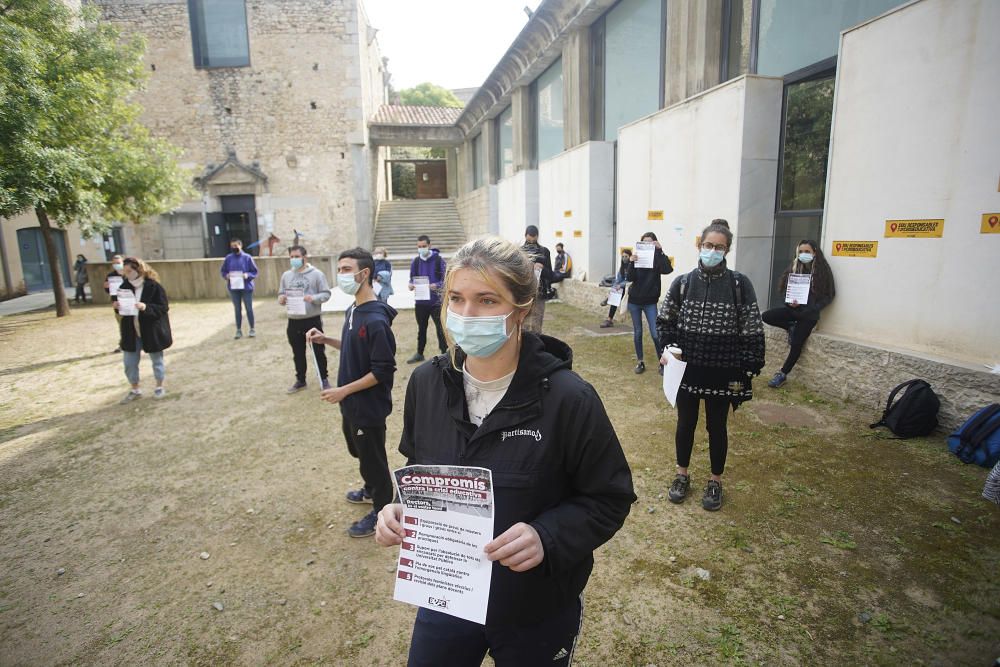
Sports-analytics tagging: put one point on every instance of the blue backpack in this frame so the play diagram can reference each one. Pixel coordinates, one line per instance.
(978, 440)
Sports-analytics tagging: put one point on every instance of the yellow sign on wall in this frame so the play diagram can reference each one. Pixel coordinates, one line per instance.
(855, 248)
(567, 214)
(991, 223)
(914, 229)
(559, 233)
(578, 233)
(654, 215)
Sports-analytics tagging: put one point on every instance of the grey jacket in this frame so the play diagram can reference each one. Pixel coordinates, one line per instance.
(311, 282)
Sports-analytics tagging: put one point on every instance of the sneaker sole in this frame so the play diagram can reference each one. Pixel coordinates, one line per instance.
(711, 509)
(678, 501)
(360, 535)
(366, 501)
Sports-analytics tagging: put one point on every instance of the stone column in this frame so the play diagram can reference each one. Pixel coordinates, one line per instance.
(451, 169)
(694, 47)
(490, 150)
(524, 128)
(576, 88)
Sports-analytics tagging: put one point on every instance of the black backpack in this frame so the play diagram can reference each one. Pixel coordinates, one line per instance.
(914, 414)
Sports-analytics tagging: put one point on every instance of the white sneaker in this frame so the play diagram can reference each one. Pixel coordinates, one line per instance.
(131, 396)
(159, 392)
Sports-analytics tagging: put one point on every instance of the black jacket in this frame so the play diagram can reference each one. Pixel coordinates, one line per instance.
(367, 345)
(154, 325)
(539, 253)
(556, 462)
(645, 287)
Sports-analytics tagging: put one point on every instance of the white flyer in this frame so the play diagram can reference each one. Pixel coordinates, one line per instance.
(126, 303)
(236, 280)
(673, 373)
(422, 288)
(644, 255)
(448, 519)
(377, 287)
(295, 303)
(798, 288)
(114, 282)
(615, 296)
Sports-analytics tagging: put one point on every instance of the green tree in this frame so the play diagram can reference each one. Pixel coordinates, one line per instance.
(429, 95)
(71, 146)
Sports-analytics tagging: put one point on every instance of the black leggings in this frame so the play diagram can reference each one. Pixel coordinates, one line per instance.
(785, 318)
(716, 415)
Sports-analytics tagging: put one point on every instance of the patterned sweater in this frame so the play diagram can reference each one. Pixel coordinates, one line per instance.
(712, 315)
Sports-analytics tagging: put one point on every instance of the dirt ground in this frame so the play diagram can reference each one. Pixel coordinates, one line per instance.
(833, 547)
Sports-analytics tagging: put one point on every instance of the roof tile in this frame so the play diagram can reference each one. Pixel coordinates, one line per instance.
(400, 114)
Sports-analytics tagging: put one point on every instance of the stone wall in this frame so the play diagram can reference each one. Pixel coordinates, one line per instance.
(295, 113)
(474, 211)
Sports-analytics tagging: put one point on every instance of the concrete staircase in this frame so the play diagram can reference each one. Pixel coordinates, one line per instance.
(401, 221)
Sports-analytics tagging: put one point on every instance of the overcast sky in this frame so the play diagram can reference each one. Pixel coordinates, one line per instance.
(453, 43)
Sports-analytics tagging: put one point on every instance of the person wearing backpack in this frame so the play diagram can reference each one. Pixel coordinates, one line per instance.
(427, 264)
(800, 319)
(711, 314)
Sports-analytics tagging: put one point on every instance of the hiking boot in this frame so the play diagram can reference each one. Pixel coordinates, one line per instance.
(604, 303)
(365, 526)
(415, 359)
(712, 500)
(132, 395)
(325, 384)
(298, 386)
(252, 334)
(640, 368)
(778, 380)
(679, 488)
(607, 324)
(359, 497)
(239, 334)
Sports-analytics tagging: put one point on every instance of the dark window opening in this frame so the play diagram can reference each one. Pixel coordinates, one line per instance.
(219, 33)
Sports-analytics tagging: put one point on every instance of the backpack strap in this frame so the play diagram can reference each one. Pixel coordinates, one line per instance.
(736, 285)
(981, 429)
(892, 397)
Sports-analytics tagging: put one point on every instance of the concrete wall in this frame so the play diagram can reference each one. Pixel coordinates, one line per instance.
(711, 156)
(915, 136)
(579, 182)
(298, 111)
(517, 204)
(478, 211)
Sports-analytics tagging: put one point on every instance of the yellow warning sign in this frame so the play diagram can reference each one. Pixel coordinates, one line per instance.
(991, 223)
(914, 229)
(855, 248)
(559, 234)
(654, 215)
(578, 233)
(567, 214)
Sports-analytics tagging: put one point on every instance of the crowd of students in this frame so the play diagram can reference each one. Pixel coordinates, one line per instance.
(568, 490)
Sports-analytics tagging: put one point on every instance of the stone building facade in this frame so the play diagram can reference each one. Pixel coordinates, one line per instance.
(276, 139)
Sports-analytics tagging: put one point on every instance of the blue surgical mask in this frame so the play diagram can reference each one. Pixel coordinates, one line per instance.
(347, 283)
(296, 262)
(424, 252)
(710, 258)
(478, 336)
(805, 257)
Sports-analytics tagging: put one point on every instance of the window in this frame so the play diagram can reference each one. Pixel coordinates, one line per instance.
(477, 161)
(219, 33)
(505, 141)
(806, 144)
(628, 65)
(794, 35)
(548, 103)
(732, 61)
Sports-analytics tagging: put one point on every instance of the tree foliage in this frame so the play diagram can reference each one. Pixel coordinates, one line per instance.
(70, 141)
(429, 95)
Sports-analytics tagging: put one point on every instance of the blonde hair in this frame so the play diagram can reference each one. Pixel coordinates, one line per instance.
(144, 270)
(381, 249)
(493, 258)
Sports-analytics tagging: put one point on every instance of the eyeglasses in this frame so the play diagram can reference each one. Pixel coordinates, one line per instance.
(714, 246)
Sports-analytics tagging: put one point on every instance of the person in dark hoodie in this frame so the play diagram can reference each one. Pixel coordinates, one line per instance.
(431, 265)
(542, 259)
(643, 296)
(148, 330)
(364, 382)
(507, 399)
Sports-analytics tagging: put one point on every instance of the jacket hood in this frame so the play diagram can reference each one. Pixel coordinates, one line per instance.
(376, 308)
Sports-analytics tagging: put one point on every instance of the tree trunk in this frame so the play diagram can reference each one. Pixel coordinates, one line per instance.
(62, 303)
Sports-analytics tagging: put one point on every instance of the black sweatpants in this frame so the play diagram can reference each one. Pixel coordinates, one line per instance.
(440, 639)
(785, 318)
(716, 416)
(297, 339)
(367, 444)
(423, 313)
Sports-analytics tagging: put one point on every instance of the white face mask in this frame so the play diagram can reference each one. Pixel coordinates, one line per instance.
(380, 256)
(424, 252)
(478, 336)
(347, 283)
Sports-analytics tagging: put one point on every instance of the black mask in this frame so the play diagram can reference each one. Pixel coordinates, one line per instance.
(236, 251)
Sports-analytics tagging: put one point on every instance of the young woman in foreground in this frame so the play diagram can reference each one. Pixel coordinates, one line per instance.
(506, 400)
